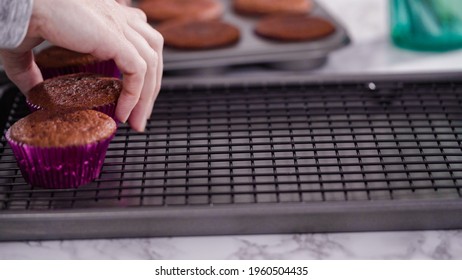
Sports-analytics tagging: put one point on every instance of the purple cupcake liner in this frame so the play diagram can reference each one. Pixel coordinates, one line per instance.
(59, 168)
(32, 107)
(108, 109)
(106, 68)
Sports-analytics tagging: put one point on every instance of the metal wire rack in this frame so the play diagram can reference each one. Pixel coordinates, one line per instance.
(260, 158)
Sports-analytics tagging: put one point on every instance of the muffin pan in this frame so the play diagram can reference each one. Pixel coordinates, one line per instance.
(252, 49)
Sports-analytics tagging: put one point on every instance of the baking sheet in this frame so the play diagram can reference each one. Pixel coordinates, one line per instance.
(244, 156)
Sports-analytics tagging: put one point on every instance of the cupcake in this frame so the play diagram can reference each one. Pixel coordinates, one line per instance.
(198, 34)
(164, 10)
(58, 150)
(294, 28)
(265, 7)
(56, 61)
(76, 91)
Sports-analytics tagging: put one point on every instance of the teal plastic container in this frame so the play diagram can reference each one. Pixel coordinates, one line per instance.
(426, 25)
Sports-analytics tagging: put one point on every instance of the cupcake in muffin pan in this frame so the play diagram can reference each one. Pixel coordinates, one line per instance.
(198, 34)
(164, 10)
(265, 7)
(294, 28)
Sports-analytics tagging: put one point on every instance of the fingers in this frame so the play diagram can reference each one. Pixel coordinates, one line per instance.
(21, 69)
(156, 42)
(140, 67)
(138, 116)
(149, 45)
(133, 68)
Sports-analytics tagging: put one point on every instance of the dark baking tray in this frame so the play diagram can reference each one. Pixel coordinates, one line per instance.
(237, 156)
(252, 49)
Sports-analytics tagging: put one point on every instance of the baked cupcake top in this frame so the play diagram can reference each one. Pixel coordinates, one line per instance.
(196, 34)
(264, 7)
(83, 90)
(162, 10)
(293, 28)
(54, 57)
(62, 129)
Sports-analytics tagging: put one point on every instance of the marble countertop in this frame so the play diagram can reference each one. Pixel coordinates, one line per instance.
(370, 52)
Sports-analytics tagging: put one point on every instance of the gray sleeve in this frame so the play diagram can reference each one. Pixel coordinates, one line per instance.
(14, 21)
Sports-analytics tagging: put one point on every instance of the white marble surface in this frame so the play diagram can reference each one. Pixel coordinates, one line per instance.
(370, 52)
(383, 245)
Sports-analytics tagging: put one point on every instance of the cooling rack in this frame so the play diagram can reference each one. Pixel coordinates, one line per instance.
(245, 156)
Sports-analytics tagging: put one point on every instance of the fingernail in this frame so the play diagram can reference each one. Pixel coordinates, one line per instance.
(120, 121)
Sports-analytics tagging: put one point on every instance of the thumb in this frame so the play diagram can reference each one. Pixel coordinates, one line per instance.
(21, 69)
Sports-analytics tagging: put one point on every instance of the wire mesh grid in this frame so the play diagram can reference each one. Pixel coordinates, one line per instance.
(287, 143)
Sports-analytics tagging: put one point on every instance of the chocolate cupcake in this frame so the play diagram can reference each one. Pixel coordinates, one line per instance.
(76, 91)
(197, 35)
(265, 7)
(162, 10)
(56, 149)
(56, 61)
(294, 28)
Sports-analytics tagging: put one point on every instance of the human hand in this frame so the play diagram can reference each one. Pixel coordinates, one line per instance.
(106, 30)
